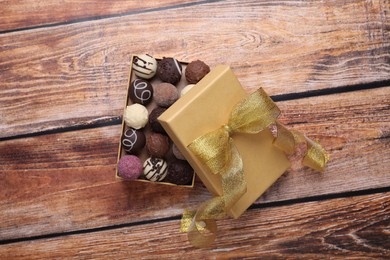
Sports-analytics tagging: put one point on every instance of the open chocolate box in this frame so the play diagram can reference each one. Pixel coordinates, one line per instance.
(143, 155)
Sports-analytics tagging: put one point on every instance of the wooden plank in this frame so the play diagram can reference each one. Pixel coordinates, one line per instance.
(77, 74)
(65, 181)
(26, 14)
(356, 227)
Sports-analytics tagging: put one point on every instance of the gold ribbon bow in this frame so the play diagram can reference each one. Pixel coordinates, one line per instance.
(216, 151)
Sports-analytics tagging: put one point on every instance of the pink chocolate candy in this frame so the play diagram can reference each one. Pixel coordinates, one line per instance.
(130, 167)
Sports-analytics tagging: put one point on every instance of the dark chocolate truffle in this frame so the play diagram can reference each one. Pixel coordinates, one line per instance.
(154, 123)
(130, 167)
(169, 70)
(179, 172)
(133, 141)
(157, 145)
(141, 92)
(196, 70)
(165, 94)
(155, 169)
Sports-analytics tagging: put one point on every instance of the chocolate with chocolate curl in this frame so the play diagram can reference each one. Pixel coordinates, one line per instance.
(169, 70)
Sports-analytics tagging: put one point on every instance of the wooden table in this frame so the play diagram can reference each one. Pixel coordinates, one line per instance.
(63, 76)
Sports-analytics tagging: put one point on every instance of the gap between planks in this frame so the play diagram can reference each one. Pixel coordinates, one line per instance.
(109, 16)
(110, 121)
(263, 205)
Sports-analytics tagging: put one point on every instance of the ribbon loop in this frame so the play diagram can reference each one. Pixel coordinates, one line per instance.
(254, 113)
(212, 148)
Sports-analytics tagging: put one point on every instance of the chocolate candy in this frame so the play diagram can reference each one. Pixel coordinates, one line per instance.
(169, 70)
(136, 116)
(144, 66)
(196, 70)
(155, 169)
(157, 145)
(141, 92)
(165, 94)
(179, 172)
(177, 153)
(133, 141)
(130, 167)
(153, 121)
(186, 89)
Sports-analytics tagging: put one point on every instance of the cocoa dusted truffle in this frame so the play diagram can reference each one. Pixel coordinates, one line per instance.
(165, 94)
(157, 145)
(130, 167)
(196, 70)
(141, 91)
(169, 70)
(153, 121)
(133, 141)
(155, 169)
(179, 172)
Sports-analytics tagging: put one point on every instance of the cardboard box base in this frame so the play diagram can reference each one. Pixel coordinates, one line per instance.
(144, 155)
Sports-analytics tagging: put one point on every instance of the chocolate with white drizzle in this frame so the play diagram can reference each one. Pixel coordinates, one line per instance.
(141, 91)
(144, 66)
(155, 169)
(133, 141)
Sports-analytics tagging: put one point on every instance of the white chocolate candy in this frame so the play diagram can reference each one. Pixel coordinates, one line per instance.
(136, 116)
(145, 66)
(177, 153)
(186, 89)
(155, 169)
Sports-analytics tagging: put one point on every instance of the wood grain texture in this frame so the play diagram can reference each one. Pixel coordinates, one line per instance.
(26, 14)
(356, 227)
(77, 74)
(54, 183)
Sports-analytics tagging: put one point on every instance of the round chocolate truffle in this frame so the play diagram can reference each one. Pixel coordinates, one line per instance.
(177, 153)
(196, 70)
(141, 91)
(179, 172)
(144, 66)
(155, 169)
(169, 70)
(129, 167)
(136, 116)
(133, 141)
(165, 94)
(186, 89)
(153, 121)
(157, 145)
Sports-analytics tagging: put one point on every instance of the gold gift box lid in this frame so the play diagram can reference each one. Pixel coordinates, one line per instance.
(207, 107)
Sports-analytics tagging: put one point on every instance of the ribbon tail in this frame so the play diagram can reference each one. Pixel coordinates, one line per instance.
(201, 233)
(316, 156)
(201, 225)
(290, 142)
